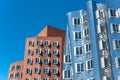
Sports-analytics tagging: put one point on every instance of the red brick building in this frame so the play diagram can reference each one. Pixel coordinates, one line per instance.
(43, 57)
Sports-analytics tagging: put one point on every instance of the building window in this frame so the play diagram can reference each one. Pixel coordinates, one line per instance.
(39, 42)
(55, 43)
(54, 78)
(76, 21)
(45, 78)
(104, 62)
(46, 60)
(67, 74)
(46, 51)
(102, 45)
(99, 14)
(55, 52)
(29, 61)
(77, 35)
(37, 70)
(16, 75)
(18, 67)
(38, 51)
(115, 28)
(116, 44)
(100, 29)
(89, 65)
(91, 78)
(88, 48)
(112, 13)
(31, 43)
(37, 60)
(47, 43)
(55, 71)
(86, 33)
(27, 79)
(67, 59)
(84, 19)
(36, 78)
(46, 70)
(30, 52)
(80, 67)
(12, 68)
(78, 51)
(117, 61)
(55, 61)
(28, 71)
(11, 75)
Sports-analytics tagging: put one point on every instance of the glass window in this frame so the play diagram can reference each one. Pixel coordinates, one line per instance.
(55, 52)
(113, 13)
(18, 67)
(29, 61)
(115, 28)
(28, 71)
(46, 70)
(67, 74)
(46, 51)
(104, 62)
(102, 45)
(11, 75)
(54, 78)
(16, 75)
(86, 32)
(45, 78)
(67, 59)
(36, 78)
(100, 29)
(12, 68)
(55, 71)
(31, 43)
(77, 35)
(47, 43)
(89, 64)
(99, 14)
(30, 52)
(116, 44)
(27, 78)
(85, 19)
(37, 70)
(117, 61)
(46, 60)
(78, 51)
(88, 47)
(80, 67)
(55, 43)
(55, 61)
(76, 21)
(38, 51)
(39, 42)
(37, 60)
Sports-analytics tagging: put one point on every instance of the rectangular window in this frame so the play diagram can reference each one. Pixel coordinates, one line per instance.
(116, 44)
(89, 65)
(78, 51)
(55, 61)
(55, 52)
(86, 33)
(84, 19)
(55, 44)
(88, 48)
(39, 42)
(77, 35)
(38, 51)
(12, 68)
(113, 13)
(117, 61)
(80, 67)
(29, 61)
(46, 51)
(27, 79)
(67, 74)
(47, 43)
(102, 45)
(45, 78)
(46, 70)
(76, 21)
(99, 14)
(46, 60)
(100, 29)
(54, 78)
(37, 70)
(11, 76)
(28, 71)
(18, 67)
(37, 60)
(115, 28)
(31, 43)
(16, 75)
(36, 78)
(104, 62)
(67, 59)
(55, 71)
(30, 52)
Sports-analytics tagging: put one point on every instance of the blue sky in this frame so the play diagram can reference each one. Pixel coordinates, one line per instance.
(26, 18)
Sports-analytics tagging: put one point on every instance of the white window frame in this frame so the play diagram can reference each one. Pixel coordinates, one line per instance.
(117, 63)
(32, 44)
(66, 61)
(55, 59)
(31, 61)
(64, 74)
(56, 43)
(30, 52)
(77, 21)
(48, 43)
(111, 25)
(47, 61)
(40, 50)
(45, 78)
(40, 43)
(77, 35)
(38, 59)
(89, 43)
(37, 71)
(30, 71)
(48, 51)
(54, 78)
(87, 65)
(116, 13)
(87, 35)
(103, 62)
(75, 51)
(56, 70)
(76, 69)
(114, 44)
(56, 52)
(47, 71)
